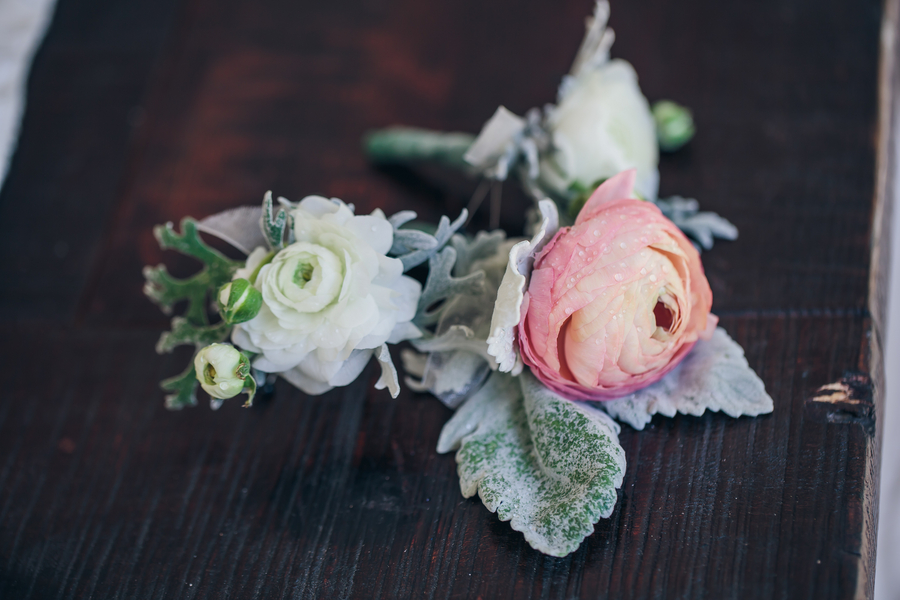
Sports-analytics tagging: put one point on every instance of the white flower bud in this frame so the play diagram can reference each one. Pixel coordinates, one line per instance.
(222, 370)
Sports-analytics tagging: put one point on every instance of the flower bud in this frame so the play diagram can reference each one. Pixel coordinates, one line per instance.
(674, 125)
(222, 370)
(238, 301)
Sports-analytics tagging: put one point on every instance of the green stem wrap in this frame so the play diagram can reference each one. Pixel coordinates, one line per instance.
(402, 145)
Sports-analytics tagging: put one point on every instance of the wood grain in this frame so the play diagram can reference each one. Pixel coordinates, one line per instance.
(105, 494)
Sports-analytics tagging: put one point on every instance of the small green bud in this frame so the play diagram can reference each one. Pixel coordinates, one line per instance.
(674, 125)
(222, 370)
(238, 301)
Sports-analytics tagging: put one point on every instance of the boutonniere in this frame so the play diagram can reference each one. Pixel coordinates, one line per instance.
(541, 344)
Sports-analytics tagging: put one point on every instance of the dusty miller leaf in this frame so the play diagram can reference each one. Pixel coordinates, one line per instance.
(483, 246)
(441, 285)
(548, 465)
(714, 376)
(699, 225)
(419, 248)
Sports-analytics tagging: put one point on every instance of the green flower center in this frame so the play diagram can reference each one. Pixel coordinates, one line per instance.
(303, 273)
(209, 373)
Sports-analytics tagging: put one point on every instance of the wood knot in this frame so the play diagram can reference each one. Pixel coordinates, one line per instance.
(848, 400)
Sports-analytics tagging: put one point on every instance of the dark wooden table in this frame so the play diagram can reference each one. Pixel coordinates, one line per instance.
(144, 111)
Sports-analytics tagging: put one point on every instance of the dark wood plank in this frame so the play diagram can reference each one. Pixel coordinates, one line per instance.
(103, 493)
(106, 494)
(85, 96)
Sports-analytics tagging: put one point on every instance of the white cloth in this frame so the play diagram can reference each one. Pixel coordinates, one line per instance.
(887, 557)
(22, 26)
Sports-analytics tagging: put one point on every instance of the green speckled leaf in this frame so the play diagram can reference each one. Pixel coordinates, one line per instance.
(548, 465)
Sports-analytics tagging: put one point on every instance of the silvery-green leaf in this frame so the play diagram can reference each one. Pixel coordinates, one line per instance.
(237, 226)
(457, 337)
(483, 246)
(701, 226)
(441, 285)
(511, 291)
(451, 376)
(273, 224)
(548, 465)
(714, 376)
(388, 378)
(445, 230)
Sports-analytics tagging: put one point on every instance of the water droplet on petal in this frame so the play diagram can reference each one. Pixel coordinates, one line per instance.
(622, 245)
(596, 232)
(581, 253)
(619, 277)
(572, 279)
(643, 271)
(603, 222)
(653, 278)
(639, 330)
(569, 311)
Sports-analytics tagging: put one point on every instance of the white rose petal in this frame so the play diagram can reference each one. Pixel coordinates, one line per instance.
(329, 298)
(602, 126)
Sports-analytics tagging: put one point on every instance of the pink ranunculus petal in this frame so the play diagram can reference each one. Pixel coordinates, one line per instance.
(615, 188)
(590, 323)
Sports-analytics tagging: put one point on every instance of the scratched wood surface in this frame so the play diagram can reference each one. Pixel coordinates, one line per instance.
(144, 111)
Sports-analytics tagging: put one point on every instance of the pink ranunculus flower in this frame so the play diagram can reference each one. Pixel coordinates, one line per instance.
(615, 301)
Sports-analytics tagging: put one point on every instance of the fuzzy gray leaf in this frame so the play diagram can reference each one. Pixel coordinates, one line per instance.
(442, 236)
(483, 246)
(714, 376)
(548, 465)
(441, 285)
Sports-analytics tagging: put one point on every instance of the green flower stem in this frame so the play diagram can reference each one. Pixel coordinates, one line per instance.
(408, 144)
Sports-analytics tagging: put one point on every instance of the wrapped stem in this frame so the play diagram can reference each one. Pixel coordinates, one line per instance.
(409, 144)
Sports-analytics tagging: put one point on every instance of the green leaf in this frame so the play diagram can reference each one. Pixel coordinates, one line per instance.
(186, 333)
(166, 290)
(273, 223)
(184, 388)
(408, 144)
(547, 465)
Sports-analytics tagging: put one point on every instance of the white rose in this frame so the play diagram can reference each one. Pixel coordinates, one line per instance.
(330, 298)
(603, 126)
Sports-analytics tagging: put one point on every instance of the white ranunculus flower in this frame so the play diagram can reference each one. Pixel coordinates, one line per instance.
(330, 298)
(601, 127)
